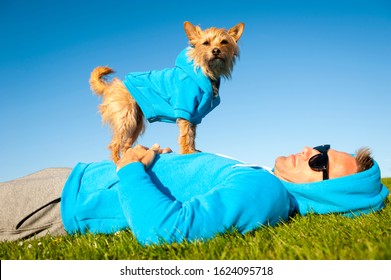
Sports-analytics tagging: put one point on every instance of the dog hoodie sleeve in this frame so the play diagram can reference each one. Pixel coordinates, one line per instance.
(192, 102)
(187, 99)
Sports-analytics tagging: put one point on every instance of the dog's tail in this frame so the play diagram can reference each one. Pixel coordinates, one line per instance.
(97, 83)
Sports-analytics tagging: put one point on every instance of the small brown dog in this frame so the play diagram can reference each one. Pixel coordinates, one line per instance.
(183, 94)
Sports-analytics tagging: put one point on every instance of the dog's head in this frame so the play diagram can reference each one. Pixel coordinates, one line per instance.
(214, 49)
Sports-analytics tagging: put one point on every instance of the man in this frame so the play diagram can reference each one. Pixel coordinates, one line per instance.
(298, 169)
(163, 196)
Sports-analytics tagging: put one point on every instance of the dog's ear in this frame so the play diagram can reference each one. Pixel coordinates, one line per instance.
(192, 32)
(236, 31)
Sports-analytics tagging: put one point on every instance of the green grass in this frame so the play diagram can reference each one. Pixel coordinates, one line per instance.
(314, 237)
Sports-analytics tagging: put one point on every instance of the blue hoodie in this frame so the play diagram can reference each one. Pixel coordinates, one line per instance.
(178, 197)
(179, 92)
(199, 195)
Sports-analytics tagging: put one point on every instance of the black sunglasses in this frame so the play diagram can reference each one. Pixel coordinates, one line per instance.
(320, 162)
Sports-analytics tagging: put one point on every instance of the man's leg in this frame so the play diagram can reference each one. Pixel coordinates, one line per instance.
(30, 206)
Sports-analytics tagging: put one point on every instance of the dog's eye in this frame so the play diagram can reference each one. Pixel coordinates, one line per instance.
(206, 43)
(224, 42)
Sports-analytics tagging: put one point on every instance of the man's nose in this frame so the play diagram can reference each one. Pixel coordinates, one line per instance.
(307, 152)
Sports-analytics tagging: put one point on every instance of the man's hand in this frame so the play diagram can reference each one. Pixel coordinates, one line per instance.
(141, 154)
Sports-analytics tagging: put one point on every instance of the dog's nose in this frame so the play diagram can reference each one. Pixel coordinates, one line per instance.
(216, 51)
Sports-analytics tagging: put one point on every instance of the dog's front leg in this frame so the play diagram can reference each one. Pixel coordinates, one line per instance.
(187, 134)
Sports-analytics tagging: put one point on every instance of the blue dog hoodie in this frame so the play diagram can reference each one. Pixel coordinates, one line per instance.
(179, 92)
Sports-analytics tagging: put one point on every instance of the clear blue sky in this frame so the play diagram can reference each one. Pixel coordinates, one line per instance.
(310, 73)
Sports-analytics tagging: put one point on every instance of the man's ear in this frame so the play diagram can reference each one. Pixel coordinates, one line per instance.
(236, 31)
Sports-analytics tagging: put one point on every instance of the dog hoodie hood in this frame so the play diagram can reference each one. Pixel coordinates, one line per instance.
(179, 92)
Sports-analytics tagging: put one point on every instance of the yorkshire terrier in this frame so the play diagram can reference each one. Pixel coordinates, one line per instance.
(183, 94)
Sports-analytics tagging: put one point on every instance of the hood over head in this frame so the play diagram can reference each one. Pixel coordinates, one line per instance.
(352, 195)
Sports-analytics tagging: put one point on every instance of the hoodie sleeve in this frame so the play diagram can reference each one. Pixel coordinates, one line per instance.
(187, 97)
(234, 203)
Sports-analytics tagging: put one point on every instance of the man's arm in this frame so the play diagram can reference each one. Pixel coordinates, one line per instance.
(141, 154)
(153, 216)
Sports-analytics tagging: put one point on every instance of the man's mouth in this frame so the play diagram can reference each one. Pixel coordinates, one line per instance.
(293, 158)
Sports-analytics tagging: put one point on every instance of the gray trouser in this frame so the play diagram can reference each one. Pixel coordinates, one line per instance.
(30, 206)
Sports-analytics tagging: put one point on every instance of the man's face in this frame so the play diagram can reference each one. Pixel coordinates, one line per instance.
(295, 168)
